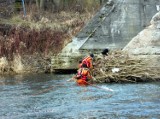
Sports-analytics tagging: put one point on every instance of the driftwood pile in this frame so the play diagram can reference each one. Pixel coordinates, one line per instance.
(119, 67)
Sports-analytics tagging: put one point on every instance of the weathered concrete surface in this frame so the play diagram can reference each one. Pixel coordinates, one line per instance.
(112, 27)
(116, 24)
(146, 44)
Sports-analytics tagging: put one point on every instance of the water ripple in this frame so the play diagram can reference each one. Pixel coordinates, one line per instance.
(51, 96)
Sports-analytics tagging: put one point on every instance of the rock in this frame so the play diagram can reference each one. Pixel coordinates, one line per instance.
(155, 19)
(147, 42)
(146, 45)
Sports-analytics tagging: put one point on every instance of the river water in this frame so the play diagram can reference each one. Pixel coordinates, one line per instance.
(50, 96)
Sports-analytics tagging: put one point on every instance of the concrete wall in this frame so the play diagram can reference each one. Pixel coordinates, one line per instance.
(115, 27)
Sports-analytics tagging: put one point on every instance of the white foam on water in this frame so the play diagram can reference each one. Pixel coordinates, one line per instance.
(106, 88)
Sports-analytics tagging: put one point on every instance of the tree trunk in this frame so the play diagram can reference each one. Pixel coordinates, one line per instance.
(41, 4)
(37, 4)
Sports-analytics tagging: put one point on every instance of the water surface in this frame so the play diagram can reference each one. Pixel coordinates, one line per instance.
(50, 96)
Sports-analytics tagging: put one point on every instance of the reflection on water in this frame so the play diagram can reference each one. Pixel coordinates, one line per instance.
(42, 96)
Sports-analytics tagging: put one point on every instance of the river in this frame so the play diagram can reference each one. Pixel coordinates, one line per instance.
(50, 96)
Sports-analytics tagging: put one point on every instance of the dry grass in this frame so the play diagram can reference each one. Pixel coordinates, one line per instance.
(57, 21)
(44, 33)
(119, 67)
(47, 34)
(34, 34)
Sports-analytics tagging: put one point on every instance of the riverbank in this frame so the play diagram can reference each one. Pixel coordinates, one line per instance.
(27, 43)
(31, 47)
